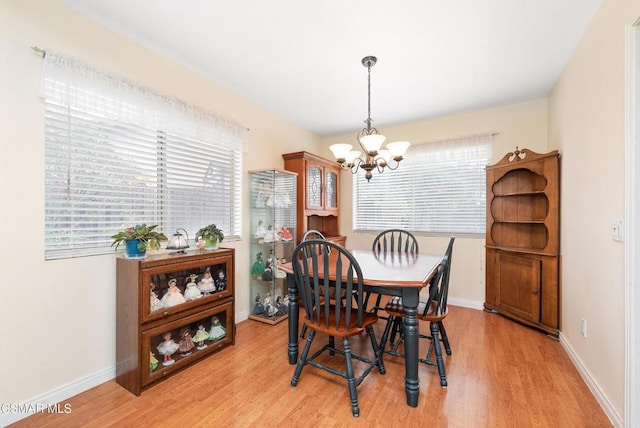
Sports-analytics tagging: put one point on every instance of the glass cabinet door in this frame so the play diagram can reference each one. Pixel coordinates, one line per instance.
(314, 187)
(331, 189)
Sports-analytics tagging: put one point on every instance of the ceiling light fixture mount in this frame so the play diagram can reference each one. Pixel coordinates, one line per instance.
(370, 141)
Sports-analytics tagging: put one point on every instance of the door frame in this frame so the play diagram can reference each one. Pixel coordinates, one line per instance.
(632, 229)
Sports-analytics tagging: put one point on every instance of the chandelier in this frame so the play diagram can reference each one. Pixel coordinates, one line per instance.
(370, 140)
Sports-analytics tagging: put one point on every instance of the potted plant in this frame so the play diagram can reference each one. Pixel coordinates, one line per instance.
(211, 235)
(137, 239)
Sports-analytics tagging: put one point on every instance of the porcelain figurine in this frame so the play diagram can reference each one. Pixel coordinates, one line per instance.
(277, 272)
(186, 342)
(167, 348)
(206, 284)
(200, 243)
(192, 292)
(173, 296)
(286, 235)
(282, 199)
(267, 275)
(258, 308)
(272, 260)
(156, 304)
(153, 362)
(265, 192)
(200, 337)
(221, 281)
(260, 230)
(216, 332)
(269, 308)
(270, 235)
(281, 308)
(258, 266)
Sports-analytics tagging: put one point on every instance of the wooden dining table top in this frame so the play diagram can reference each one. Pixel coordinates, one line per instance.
(395, 269)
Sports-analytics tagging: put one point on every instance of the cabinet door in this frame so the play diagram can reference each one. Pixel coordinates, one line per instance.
(314, 186)
(193, 289)
(331, 189)
(208, 330)
(518, 285)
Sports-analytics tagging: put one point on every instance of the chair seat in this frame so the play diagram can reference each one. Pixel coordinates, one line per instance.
(394, 308)
(343, 330)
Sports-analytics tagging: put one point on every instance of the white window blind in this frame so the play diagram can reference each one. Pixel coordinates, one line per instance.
(117, 155)
(438, 188)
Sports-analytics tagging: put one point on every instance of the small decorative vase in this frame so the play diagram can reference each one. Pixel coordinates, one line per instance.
(211, 243)
(133, 249)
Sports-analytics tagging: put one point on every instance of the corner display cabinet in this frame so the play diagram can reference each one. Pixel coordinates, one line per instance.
(172, 310)
(318, 196)
(522, 240)
(273, 238)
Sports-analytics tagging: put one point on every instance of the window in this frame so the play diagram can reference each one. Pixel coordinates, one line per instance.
(117, 155)
(438, 188)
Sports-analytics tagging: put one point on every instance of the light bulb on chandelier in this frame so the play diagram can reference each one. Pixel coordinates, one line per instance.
(370, 141)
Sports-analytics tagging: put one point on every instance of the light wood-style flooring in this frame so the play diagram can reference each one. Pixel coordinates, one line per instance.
(501, 374)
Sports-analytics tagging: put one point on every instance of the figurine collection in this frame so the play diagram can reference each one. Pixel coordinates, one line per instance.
(188, 341)
(191, 290)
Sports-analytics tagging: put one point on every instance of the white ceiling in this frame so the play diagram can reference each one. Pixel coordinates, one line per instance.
(301, 58)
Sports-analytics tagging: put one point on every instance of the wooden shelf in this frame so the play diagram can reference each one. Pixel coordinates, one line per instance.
(533, 192)
(519, 221)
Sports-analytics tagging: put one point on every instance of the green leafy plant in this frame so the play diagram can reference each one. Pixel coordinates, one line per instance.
(147, 236)
(210, 232)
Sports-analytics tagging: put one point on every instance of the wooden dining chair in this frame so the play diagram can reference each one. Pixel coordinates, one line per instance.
(391, 240)
(432, 308)
(312, 234)
(333, 319)
(307, 236)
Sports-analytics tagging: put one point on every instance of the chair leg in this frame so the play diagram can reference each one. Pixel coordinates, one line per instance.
(445, 339)
(439, 361)
(397, 329)
(303, 359)
(376, 350)
(385, 334)
(377, 305)
(353, 394)
(304, 331)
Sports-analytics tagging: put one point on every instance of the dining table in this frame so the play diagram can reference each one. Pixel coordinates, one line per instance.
(388, 273)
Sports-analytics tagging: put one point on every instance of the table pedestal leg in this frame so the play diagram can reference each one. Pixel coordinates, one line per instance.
(411, 381)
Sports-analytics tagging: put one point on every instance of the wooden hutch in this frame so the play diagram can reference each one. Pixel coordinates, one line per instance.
(318, 196)
(522, 239)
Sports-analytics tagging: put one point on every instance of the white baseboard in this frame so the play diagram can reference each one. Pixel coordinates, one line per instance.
(593, 386)
(13, 412)
(466, 303)
(242, 316)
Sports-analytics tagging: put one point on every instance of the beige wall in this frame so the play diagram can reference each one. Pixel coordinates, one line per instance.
(587, 124)
(58, 317)
(522, 124)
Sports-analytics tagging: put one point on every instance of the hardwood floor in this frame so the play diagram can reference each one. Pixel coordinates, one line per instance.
(501, 374)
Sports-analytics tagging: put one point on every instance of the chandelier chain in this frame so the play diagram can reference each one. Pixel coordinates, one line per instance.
(369, 99)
